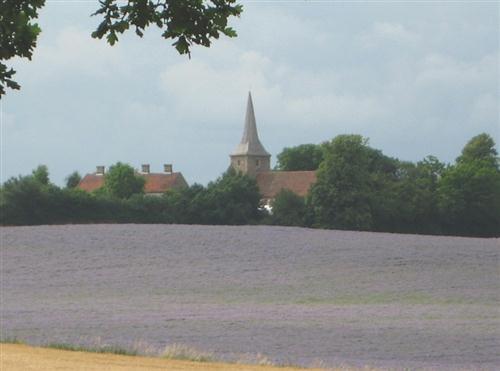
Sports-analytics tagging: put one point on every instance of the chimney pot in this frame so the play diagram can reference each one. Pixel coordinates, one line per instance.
(167, 168)
(145, 168)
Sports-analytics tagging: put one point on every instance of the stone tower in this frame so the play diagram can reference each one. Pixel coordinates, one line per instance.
(250, 157)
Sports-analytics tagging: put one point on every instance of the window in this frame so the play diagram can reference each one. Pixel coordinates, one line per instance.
(257, 163)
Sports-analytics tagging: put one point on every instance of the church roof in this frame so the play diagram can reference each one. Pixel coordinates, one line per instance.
(272, 182)
(155, 182)
(250, 143)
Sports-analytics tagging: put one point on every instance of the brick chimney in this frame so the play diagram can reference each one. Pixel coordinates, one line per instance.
(167, 168)
(100, 170)
(145, 168)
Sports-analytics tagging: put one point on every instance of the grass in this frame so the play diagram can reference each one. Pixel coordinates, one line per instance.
(112, 349)
(178, 352)
(11, 340)
(182, 352)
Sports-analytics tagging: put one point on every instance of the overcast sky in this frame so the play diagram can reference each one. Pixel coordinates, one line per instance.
(415, 78)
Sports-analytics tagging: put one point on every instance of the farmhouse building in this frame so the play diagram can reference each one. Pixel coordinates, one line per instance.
(156, 183)
(251, 158)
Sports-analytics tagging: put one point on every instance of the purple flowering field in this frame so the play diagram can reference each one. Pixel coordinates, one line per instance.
(296, 295)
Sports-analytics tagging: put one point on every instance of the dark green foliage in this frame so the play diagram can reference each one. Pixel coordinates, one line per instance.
(31, 200)
(23, 201)
(288, 209)
(341, 197)
(358, 188)
(303, 157)
(186, 22)
(41, 174)
(185, 210)
(409, 204)
(121, 181)
(231, 199)
(108, 349)
(73, 180)
(469, 191)
(18, 35)
(480, 148)
(469, 199)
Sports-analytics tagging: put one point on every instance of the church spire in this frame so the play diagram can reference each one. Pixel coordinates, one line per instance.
(250, 143)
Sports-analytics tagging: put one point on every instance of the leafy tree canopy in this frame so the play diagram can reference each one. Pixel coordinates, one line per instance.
(303, 157)
(184, 208)
(480, 148)
(232, 199)
(121, 181)
(41, 174)
(18, 34)
(469, 191)
(469, 199)
(288, 209)
(358, 188)
(340, 197)
(73, 180)
(186, 22)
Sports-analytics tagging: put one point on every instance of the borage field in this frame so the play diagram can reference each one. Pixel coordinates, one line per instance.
(296, 295)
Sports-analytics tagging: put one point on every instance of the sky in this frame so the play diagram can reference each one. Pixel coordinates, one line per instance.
(417, 78)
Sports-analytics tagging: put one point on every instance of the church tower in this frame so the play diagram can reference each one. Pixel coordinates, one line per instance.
(250, 157)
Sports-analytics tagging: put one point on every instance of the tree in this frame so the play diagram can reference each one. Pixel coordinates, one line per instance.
(381, 176)
(182, 205)
(341, 196)
(411, 203)
(22, 201)
(469, 191)
(27, 199)
(18, 35)
(122, 182)
(480, 148)
(73, 180)
(288, 208)
(469, 200)
(41, 174)
(232, 199)
(187, 22)
(303, 157)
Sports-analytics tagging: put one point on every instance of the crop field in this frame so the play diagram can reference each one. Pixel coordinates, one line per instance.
(297, 296)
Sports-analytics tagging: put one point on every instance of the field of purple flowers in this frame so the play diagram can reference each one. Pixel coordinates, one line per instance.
(295, 295)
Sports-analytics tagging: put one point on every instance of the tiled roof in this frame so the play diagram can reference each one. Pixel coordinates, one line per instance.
(155, 183)
(159, 183)
(91, 182)
(272, 182)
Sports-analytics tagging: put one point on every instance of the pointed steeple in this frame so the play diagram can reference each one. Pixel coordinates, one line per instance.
(250, 143)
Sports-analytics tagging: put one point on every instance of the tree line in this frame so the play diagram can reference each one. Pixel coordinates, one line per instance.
(360, 188)
(30, 200)
(357, 188)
